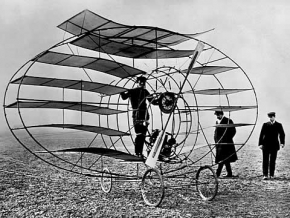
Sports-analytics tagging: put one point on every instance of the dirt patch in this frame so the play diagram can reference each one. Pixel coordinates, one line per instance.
(31, 188)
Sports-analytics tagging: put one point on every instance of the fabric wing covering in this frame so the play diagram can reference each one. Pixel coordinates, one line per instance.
(232, 125)
(70, 84)
(103, 152)
(227, 108)
(88, 128)
(219, 91)
(103, 65)
(209, 70)
(89, 22)
(99, 44)
(230, 108)
(77, 106)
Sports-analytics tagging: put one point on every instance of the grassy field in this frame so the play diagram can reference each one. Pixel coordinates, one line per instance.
(31, 188)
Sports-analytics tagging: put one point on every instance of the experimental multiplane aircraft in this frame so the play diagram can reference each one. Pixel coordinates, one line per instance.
(64, 105)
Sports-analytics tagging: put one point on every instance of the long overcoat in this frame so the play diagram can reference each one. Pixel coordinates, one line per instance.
(223, 137)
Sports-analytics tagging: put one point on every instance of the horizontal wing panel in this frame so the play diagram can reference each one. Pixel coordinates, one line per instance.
(229, 108)
(87, 128)
(103, 65)
(209, 70)
(233, 125)
(70, 84)
(96, 43)
(78, 106)
(87, 21)
(219, 91)
(103, 152)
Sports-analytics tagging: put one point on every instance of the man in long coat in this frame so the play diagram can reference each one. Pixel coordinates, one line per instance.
(225, 148)
(271, 136)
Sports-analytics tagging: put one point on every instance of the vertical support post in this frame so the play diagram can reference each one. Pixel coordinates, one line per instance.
(63, 109)
(156, 48)
(133, 59)
(81, 102)
(99, 45)
(81, 163)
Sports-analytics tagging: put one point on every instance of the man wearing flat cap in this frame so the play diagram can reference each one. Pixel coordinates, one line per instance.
(138, 97)
(225, 148)
(271, 137)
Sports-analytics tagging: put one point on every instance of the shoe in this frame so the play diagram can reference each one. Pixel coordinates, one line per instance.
(271, 177)
(265, 177)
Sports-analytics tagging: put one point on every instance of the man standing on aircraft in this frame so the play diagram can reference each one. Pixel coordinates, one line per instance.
(270, 135)
(140, 115)
(225, 148)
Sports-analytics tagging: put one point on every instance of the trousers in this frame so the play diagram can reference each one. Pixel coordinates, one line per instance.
(140, 131)
(228, 168)
(269, 161)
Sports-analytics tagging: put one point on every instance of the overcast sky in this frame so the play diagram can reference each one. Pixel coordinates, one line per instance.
(255, 34)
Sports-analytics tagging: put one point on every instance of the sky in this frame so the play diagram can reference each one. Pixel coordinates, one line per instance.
(255, 34)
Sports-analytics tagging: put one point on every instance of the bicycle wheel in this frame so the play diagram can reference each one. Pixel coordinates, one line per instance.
(152, 187)
(106, 180)
(206, 183)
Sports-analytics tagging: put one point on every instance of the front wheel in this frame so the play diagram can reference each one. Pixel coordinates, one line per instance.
(206, 183)
(152, 187)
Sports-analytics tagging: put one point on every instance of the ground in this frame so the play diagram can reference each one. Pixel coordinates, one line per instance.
(35, 189)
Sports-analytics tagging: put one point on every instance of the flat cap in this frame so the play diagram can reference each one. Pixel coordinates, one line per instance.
(218, 113)
(271, 114)
(141, 79)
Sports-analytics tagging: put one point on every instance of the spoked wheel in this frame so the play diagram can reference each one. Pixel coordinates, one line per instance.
(106, 180)
(152, 187)
(167, 102)
(206, 183)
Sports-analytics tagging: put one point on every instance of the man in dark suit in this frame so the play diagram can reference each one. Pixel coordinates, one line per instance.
(225, 148)
(140, 114)
(270, 135)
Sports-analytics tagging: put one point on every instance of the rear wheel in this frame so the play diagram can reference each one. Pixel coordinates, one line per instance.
(206, 183)
(152, 187)
(106, 180)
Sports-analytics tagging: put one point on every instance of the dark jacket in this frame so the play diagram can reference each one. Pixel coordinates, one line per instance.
(223, 137)
(270, 136)
(137, 98)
